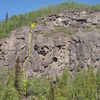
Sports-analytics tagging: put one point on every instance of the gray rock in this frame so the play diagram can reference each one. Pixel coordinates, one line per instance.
(49, 55)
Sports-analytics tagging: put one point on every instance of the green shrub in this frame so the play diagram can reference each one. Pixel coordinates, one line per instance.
(38, 87)
(7, 90)
(85, 87)
(96, 7)
(98, 84)
(65, 85)
(10, 94)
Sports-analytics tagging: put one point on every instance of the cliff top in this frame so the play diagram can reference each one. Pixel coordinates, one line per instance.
(57, 11)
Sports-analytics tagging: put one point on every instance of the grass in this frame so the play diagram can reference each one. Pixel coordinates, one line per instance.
(88, 29)
(57, 30)
(64, 30)
(97, 27)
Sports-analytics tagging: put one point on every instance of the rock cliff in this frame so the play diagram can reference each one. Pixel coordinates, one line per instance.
(50, 54)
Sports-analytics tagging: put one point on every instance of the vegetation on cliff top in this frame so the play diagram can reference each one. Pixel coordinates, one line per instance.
(17, 21)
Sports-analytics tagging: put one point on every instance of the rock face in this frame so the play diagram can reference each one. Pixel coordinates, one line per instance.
(49, 55)
(84, 50)
(82, 19)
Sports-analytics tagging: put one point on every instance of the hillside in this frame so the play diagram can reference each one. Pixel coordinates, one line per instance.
(19, 21)
(60, 39)
(57, 58)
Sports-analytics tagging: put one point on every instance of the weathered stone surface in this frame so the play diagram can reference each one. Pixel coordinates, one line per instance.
(49, 55)
(83, 50)
(72, 18)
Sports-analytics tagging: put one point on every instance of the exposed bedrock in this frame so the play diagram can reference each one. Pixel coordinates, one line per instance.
(49, 55)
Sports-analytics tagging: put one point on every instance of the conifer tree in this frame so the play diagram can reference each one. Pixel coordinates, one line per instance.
(7, 16)
(17, 75)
